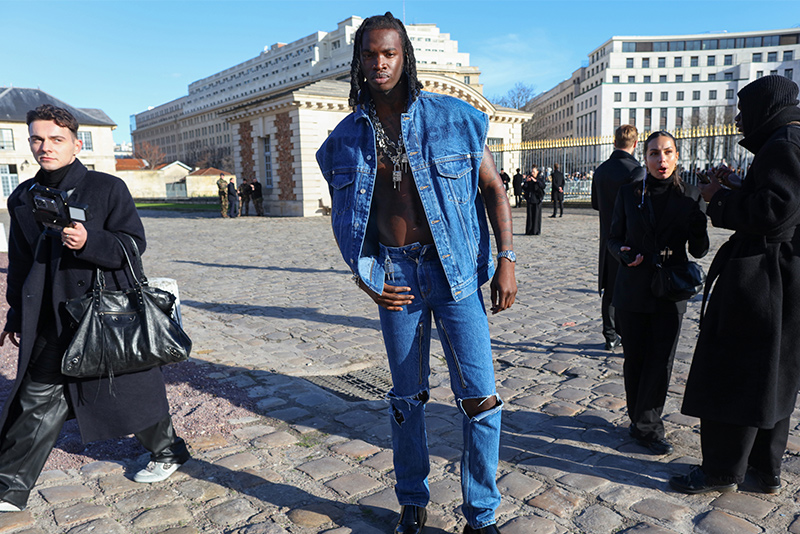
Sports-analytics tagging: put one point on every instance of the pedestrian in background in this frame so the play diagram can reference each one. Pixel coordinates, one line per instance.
(245, 192)
(516, 183)
(222, 184)
(233, 199)
(533, 190)
(652, 224)
(258, 197)
(619, 169)
(557, 191)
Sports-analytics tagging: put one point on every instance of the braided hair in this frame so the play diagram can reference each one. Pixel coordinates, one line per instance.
(358, 81)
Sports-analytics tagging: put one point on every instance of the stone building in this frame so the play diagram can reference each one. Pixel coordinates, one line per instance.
(268, 115)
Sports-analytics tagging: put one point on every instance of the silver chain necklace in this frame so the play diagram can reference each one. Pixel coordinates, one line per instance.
(396, 152)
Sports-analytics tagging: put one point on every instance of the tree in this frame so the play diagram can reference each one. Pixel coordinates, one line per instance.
(152, 154)
(517, 96)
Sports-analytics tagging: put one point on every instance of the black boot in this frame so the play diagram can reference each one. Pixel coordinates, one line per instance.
(412, 520)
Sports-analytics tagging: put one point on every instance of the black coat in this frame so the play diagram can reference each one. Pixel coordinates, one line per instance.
(557, 179)
(619, 169)
(533, 191)
(746, 366)
(137, 400)
(682, 222)
(516, 182)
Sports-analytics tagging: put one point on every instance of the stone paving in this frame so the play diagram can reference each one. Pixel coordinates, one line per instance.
(269, 302)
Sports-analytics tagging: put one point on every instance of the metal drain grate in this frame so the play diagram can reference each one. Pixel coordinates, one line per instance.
(372, 383)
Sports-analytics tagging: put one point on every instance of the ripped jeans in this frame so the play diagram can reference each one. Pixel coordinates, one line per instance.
(464, 331)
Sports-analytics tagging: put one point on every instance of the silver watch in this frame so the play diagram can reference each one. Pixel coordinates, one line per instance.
(507, 254)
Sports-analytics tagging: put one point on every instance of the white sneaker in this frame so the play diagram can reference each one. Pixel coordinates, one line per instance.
(8, 507)
(155, 472)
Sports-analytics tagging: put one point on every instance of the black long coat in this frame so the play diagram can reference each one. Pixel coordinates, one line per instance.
(746, 366)
(136, 401)
(557, 179)
(682, 222)
(619, 169)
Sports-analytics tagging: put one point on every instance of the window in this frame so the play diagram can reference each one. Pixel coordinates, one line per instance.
(466, 80)
(678, 62)
(631, 79)
(86, 137)
(788, 55)
(648, 117)
(773, 71)
(632, 97)
(632, 117)
(679, 95)
(729, 94)
(789, 73)
(712, 77)
(712, 61)
(728, 76)
(695, 116)
(759, 73)
(679, 77)
(647, 79)
(694, 61)
(615, 79)
(268, 163)
(6, 139)
(617, 97)
(648, 96)
(8, 178)
(712, 94)
(728, 60)
(629, 47)
(772, 56)
(679, 118)
(664, 96)
(645, 62)
(662, 62)
(695, 95)
(629, 63)
(662, 78)
(695, 77)
(662, 121)
(617, 118)
(756, 57)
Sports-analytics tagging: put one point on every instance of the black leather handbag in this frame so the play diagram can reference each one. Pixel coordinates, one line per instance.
(123, 331)
(678, 282)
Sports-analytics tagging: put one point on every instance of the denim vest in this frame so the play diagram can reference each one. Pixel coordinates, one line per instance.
(445, 138)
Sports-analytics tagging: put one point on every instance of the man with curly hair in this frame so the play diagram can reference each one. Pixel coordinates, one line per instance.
(409, 175)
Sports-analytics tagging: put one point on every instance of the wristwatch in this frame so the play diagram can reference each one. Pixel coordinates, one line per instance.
(507, 254)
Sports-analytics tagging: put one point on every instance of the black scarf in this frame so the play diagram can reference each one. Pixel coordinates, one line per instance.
(52, 178)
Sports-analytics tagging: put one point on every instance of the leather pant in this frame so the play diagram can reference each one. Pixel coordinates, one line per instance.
(36, 416)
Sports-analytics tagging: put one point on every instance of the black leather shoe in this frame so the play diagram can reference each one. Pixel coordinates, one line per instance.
(658, 446)
(697, 482)
(412, 520)
(490, 529)
(766, 482)
(611, 345)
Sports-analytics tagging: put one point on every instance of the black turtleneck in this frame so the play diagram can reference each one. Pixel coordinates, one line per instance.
(52, 178)
(656, 189)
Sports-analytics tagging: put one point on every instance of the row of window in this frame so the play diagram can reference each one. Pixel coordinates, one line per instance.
(706, 117)
(7, 139)
(711, 77)
(712, 44)
(711, 61)
(679, 95)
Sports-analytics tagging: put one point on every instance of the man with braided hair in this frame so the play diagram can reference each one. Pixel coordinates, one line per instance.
(409, 175)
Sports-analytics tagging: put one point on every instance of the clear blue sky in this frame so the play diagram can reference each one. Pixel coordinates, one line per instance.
(123, 56)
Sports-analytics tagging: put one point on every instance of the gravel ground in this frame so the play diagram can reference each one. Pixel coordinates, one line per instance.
(199, 405)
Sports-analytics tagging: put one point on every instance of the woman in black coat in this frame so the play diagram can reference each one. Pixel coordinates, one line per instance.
(533, 190)
(653, 222)
(745, 372)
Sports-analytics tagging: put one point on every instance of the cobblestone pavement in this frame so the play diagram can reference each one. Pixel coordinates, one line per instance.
(270, 308)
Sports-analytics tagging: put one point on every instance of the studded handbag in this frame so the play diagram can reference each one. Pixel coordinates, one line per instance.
(123, 331)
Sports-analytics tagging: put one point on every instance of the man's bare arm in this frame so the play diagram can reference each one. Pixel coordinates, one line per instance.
(495, 197)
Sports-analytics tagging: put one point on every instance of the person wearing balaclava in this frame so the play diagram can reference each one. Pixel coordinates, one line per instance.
(745, 373)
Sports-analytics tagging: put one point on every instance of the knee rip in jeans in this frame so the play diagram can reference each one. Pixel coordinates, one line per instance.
(472, 408)
(403, 406)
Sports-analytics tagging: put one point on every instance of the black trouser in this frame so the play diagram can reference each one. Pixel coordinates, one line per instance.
(728, 449)
(649, 348)
(35, 418)
(558, 205)
(610, 330)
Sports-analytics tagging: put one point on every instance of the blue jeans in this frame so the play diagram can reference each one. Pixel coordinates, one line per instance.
(464, 331)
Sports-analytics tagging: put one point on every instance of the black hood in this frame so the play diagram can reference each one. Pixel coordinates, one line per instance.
(766, 104)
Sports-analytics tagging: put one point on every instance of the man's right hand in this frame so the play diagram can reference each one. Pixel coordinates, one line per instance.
(12, 337)
(393, 298)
